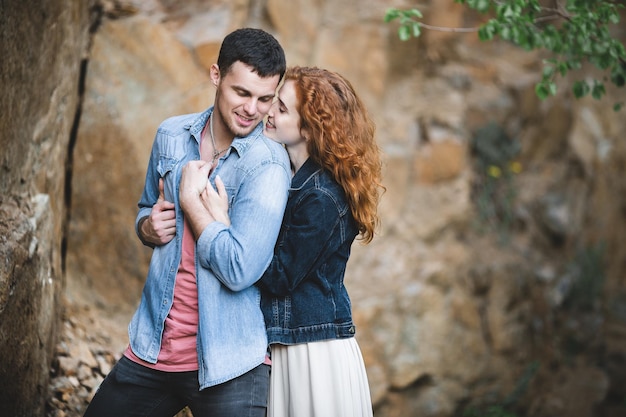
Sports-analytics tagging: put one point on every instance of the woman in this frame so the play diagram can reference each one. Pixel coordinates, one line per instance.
(317, 367)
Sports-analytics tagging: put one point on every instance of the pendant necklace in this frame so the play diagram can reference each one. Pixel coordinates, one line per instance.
(216, 153)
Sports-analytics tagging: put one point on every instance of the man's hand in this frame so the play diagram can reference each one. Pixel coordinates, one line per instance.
(160, 226)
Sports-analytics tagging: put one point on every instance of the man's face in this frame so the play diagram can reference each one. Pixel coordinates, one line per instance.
(243, 98)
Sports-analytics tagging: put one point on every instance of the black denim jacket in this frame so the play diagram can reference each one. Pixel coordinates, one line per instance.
(303, 297)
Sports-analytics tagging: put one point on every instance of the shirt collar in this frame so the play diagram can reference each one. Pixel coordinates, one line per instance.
(240, 144)
(306, 171)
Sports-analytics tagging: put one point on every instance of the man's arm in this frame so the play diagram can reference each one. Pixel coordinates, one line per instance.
(237, 254)
(155, 223)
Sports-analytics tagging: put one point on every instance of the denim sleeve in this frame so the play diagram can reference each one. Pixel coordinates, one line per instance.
(150, 192)
(304, 243)
(239, 254)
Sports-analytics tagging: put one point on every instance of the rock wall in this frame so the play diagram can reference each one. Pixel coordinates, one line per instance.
(42, 48)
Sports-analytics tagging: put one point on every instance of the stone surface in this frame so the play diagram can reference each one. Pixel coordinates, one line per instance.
(42, 48)
(131, 86)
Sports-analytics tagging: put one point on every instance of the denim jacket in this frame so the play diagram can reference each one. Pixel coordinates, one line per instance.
(303, 297)
(231, 335)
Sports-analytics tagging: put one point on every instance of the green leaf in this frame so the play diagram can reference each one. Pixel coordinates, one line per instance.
(416, 29)
(552, 88)
(480, 5)
(505, 33)
(391, 14)
(598, 90)
(548, 71)
(545, 88)
(487, 31)
(404, 33)
(415, 12)
(618, 76)
(541, 91)
(580, 89)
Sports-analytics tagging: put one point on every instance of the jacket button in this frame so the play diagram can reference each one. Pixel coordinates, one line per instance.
(352, 329)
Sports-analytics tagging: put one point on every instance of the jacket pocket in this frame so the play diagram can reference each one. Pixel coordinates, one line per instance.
(166, 165)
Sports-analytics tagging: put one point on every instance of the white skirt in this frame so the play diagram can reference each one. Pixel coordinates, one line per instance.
(319, 379)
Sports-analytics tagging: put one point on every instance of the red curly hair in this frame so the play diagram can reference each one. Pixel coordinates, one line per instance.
(341, 140)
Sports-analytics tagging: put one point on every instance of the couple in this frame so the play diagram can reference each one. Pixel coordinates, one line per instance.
(237, 223)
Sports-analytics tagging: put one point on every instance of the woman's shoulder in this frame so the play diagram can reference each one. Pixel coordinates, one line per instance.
(320, 187)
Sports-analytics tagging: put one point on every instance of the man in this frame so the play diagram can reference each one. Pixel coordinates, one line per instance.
(198, 336)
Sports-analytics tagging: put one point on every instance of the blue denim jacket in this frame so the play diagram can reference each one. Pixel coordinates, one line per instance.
(303, 296)
(231, 333)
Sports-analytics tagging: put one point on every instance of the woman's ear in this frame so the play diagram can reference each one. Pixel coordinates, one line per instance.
(304, 133)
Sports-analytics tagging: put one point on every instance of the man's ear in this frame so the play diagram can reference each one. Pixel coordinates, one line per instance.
(214, 73)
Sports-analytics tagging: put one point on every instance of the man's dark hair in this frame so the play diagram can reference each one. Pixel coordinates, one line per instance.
(255, 48)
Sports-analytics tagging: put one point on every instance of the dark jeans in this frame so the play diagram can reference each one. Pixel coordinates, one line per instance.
(133, 390)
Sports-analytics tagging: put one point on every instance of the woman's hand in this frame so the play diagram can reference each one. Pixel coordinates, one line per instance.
(193, 182)
(216, 201)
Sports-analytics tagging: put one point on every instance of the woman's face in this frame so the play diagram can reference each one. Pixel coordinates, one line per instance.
(283, 123)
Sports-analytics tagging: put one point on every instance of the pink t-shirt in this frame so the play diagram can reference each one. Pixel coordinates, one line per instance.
(178, 345)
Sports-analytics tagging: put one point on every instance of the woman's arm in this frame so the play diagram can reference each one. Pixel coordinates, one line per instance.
(303, 244)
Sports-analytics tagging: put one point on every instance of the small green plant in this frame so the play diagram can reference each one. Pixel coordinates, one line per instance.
(505, 409)
(586, 271)
(573, 31)
(494, 157)
(491, 411)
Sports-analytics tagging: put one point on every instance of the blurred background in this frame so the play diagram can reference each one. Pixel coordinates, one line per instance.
(496, 286)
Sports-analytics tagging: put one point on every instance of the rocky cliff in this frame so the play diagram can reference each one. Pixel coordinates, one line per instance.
(43, 47)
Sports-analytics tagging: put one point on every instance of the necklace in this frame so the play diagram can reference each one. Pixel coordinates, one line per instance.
(216, 153)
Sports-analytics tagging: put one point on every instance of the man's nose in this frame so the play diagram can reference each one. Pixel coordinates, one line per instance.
(251, 106)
